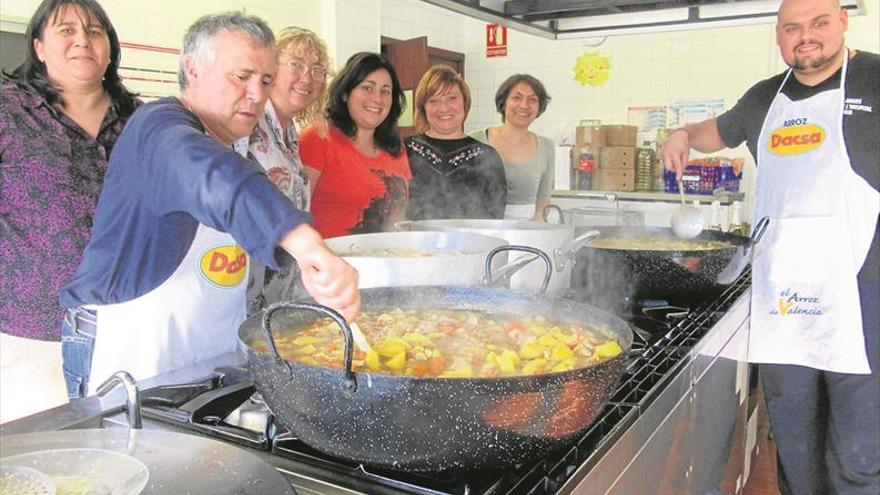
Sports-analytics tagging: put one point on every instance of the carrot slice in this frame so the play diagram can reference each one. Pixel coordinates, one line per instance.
(421, 369)
(437, 365)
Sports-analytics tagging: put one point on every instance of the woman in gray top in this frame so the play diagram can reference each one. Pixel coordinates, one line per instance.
(529, 159)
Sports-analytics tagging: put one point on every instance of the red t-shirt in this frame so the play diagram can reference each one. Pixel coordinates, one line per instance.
(355, 194)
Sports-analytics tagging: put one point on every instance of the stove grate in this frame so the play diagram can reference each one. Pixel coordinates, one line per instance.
(636, 391)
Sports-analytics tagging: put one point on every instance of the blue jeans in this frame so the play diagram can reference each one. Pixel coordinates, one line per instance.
(77, 344)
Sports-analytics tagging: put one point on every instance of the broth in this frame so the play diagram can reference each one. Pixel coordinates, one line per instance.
(453, 344)
(401, 252)
(658, 244)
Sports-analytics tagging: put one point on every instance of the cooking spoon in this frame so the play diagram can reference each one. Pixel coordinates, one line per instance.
(687, 221)
(360, 340)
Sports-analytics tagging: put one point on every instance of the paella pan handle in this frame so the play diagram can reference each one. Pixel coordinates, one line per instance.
(643, 336)
(324, 310)
(759, 231)
(512, 267)
(744, 254)
(546, 213)
(567, 253)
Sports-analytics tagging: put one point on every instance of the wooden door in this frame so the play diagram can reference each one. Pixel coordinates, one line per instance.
(439, 56)
(410, 59)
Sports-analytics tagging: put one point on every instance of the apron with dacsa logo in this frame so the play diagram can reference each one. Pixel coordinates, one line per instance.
(805, 299)
(193, 316)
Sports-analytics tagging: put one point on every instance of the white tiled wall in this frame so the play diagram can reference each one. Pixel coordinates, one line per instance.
(647, 69)
(406, 19)
(357, 28)
(162, 23)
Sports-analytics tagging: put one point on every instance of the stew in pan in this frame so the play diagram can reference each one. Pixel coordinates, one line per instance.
(649, 243)
(448, 343)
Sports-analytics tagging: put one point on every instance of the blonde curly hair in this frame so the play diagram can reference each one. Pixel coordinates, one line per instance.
(302, 42)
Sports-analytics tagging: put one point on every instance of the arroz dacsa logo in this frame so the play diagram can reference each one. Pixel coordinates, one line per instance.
(796, 137)
(224, 266)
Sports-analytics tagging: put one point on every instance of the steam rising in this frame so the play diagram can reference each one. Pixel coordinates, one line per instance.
(613, 279)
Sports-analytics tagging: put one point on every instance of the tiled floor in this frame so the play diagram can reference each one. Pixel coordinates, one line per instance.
(762, 479)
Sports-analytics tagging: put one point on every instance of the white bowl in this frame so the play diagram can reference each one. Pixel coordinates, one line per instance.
(20, 480)
(86, 471)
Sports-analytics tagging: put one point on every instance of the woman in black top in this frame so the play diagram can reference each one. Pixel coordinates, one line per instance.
(453, 175)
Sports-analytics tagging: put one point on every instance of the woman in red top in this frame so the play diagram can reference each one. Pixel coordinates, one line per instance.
(357, 169)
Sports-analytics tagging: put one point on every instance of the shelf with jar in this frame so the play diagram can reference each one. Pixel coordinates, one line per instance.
(606, 158)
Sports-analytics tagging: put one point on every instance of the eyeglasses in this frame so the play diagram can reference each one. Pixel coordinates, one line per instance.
(316, 72)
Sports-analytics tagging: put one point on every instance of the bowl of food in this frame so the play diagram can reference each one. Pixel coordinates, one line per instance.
(78, 471)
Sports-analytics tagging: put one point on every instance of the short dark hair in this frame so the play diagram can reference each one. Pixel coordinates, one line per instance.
(510, 82)
(356, 69)
(31, 75)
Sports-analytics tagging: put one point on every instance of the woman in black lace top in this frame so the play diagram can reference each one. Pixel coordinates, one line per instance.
(453, 175)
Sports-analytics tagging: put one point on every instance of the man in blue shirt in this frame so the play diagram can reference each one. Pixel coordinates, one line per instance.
(162, 282)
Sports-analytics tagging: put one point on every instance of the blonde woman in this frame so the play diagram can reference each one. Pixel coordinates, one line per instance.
(296, 100)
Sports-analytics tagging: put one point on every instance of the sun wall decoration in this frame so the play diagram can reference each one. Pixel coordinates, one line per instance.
(592, 69)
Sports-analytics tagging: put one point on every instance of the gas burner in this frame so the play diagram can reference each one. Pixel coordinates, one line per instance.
(652, 317)
(659, 309)
(655, 317)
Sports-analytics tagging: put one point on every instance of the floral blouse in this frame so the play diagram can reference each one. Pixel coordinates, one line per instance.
(266, 146)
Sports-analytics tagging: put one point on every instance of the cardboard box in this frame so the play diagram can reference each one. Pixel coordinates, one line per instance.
(619, 179)
(617, 157)
(589, 136)
(620, 135)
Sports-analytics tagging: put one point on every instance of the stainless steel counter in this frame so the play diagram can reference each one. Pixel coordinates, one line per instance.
(725, 197)
(89, 412)
(692, 438)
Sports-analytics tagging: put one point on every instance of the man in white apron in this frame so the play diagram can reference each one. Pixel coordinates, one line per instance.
(162, 282)
(814, 132)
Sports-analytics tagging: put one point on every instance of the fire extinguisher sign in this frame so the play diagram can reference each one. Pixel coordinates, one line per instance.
(496, 40)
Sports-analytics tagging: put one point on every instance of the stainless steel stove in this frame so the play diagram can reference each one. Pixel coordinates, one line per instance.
(656, 400)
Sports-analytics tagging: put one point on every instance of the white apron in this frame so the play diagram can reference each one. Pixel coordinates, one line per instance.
(519, 212)
(194, 315)
(31, 379)
(805, 301)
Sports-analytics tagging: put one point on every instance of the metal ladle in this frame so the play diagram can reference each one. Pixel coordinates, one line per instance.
(687, 221)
